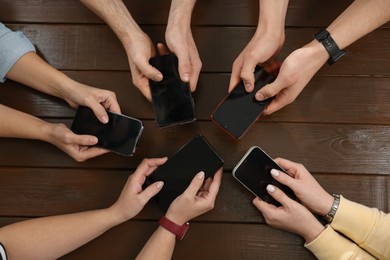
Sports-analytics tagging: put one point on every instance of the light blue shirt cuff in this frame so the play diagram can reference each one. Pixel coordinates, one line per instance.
(13, 45)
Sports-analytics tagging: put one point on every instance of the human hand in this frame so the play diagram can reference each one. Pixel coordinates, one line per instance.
(133, 198)
(305, 187)
(261, 49)
(76, 146)
(196, 199)
(291, 216)
(99, 100)
(296, 71)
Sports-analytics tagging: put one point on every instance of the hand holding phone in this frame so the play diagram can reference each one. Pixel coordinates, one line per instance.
(254, 172)
(178, 172)
(171, 97)
(120, 134)
(240, 109)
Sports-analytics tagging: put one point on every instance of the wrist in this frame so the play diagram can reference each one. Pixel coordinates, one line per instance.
(317, 52)
(325, 205)
(180, 13)
(179, 220)
(313, 231)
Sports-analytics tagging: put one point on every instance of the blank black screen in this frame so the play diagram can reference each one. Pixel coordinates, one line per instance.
(239, 110)
(172, 100)
(120, 134)
(255, 173)
(178, 172)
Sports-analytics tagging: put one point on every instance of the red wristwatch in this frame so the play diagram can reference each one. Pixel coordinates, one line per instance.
(179, 231)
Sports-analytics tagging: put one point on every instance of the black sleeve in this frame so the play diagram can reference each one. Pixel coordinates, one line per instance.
(3, 253)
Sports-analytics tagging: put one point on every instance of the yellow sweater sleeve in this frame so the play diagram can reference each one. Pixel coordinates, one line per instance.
(331, 245)
(368, 227)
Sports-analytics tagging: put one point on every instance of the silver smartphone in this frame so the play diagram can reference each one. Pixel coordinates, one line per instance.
(254, 172)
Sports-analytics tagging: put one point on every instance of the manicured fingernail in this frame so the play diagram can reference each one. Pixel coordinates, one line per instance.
(158, 77)
(186, 77)
(200, 175)
(104, 119)
(160, 184)
(270, 188)
(259, 97)
(275, 172)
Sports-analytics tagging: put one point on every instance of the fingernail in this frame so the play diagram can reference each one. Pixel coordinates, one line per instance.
(200, 175)
(160, 184)
(104, 119)
(275, 172)
(186, 77)
(247, 86)
(158, 77)
(259, 97)
(270, 188)
(93, 140)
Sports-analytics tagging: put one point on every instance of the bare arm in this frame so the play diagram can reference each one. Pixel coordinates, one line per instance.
(359, 19)
(138, 46)
(52, 237)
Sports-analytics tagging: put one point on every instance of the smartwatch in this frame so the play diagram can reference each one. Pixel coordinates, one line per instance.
(323, 36)
(179, 231)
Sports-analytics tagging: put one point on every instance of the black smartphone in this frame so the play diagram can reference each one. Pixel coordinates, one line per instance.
(120, 134)
(254, 172)
(179, 170)
(171, 97)
(239, 109)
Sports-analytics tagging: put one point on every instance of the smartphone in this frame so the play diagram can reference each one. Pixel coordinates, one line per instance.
(120, 134)
(171, 97)
(179, 170)
(239, 109)
(254, 172)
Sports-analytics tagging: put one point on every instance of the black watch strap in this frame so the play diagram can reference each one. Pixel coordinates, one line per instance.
(330, 45)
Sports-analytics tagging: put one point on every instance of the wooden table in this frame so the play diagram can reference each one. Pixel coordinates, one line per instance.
(339, 127)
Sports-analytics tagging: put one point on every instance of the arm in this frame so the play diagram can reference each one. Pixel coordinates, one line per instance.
(189, 205)
(138, 46)
(52, 237)
(180, 40)
(359, 19)
(264, 45)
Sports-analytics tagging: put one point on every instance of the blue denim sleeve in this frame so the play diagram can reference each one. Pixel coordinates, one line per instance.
(13, 45)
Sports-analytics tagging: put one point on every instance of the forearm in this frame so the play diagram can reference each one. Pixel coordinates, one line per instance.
(34, 72)
(272, 16)
(16, 124)
(359, 19)
(159, 246)
(53, 237)
(180, 13)
(116, 15)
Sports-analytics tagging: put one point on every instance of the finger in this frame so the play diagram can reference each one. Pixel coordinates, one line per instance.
(288, 165)
(195, 184)
(162, 49)
(283, 178)
(111, 104)
(91, 152)
(278, 195)
(147, 166)
(98, 110)
(263, 206)
(149, 71)
(271, 89)
(247, 74)
(195, 71)
(235, 76)
(140, 81)
(214, 186)
(184, 65)
(83, 140)
(151, 191)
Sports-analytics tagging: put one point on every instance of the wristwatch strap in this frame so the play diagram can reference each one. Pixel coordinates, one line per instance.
(332, 212)
(174, 228)
(323, 36)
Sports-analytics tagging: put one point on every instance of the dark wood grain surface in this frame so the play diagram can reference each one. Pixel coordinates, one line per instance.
(338, 127)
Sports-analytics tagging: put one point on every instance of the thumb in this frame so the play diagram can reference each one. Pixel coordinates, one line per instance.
(83, 140)
(184, 65)
(195, 184)
(149, 71)
(99, 111)
(247, 74)
(270, 90)
(151, 191)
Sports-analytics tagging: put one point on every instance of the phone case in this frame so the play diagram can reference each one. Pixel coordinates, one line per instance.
(261, 79)
(178, 172)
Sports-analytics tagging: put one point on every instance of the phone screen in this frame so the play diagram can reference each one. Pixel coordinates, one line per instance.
(178, 172)
(239, 110)
(254, 172)
(171, 97)
(120, 134)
